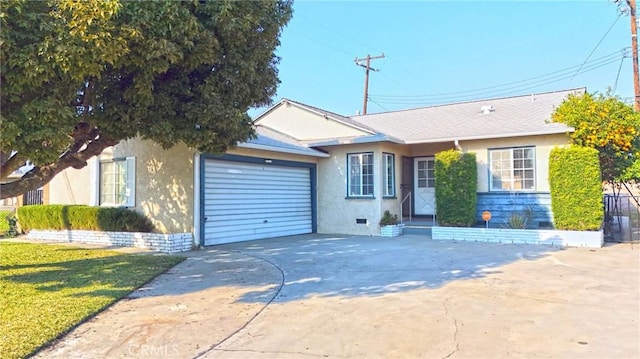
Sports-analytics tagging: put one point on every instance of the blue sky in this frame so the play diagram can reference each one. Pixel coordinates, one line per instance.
(444, 52)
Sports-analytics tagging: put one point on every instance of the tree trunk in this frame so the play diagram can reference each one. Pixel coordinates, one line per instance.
(41, 175)
(10, 165)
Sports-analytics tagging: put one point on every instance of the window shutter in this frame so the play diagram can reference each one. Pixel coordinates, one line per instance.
(131, 182)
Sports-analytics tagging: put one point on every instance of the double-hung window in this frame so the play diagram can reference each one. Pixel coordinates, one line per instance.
(117, 182)
(512, 169)
(389, 185)
(360, 175)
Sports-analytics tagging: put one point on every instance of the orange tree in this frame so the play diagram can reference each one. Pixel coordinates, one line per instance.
(610, 126)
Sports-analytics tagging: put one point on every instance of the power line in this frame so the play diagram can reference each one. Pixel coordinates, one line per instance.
(615, 84)
(506, 88)
(413, 76)
(502, 92)
(322, 43)
(332, 29)
(598, 44)
(510, 87)
(614, 56)
(379, 105)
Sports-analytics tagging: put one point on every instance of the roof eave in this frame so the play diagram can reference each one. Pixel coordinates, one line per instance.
(304, 152)
(357, 141)
(488, 137)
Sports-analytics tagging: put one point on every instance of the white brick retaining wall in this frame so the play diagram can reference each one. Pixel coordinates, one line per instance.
(169, 243)
(594, 239)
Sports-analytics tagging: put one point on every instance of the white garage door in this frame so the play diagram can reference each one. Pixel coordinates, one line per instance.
(246, 201)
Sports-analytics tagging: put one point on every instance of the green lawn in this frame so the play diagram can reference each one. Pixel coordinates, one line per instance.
(47, 289)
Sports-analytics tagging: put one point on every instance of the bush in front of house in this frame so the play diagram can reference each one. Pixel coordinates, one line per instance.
(456, 188)
(5, 226)
(576, 188)
(60, 217)
(388, 219)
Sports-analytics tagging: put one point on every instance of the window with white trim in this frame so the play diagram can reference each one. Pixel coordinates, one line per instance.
(389, 186)
(117, 182)
(512, 169)
(360, 175)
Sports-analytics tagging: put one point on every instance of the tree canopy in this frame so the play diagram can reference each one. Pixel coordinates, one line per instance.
(610, 126)
(80, 76)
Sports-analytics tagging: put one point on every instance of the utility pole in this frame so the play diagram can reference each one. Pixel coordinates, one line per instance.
(367, 67)
(634, 51)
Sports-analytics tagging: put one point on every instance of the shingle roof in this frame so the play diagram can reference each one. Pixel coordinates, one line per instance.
(504, 117)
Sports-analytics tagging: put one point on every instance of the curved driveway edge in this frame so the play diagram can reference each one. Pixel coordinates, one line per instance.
(180, 314)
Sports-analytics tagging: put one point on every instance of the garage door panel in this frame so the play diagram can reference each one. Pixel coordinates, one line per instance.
(235, 208)
(298, 227)
(238, 209)
(224, 174)
(250, 237)
(234, 234)
(246, 201)
(229, 235)
(251, 194)
(232, 183)
(260, 216)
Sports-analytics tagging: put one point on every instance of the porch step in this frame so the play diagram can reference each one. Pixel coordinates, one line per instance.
(419, 226)
(423, 230)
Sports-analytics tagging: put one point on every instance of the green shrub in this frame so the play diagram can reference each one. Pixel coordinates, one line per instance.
(519, 220)
(59, 217)
(456, 188)
(576, 188)
(388, 219)
(4, 221)
(118, 219)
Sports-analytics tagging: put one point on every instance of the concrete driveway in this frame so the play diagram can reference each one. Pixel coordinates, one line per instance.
(351, 297)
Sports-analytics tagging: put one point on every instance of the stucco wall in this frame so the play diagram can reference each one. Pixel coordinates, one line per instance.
(338, 214)
(304, 125)
(164, 182)
(391, 204)
(429, 149)
(72, 186)
(542, 144)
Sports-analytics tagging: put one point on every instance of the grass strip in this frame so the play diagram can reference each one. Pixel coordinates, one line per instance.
(45, 290)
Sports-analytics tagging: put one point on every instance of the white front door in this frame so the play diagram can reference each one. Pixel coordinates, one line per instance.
(424, 182)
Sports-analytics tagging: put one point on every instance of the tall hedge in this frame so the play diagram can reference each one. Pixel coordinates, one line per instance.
(59, 217)
(576, 188)
(456, 188)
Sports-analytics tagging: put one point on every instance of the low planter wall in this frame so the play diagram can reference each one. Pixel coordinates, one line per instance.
(594, 239)
(391, 231)
(169, 243)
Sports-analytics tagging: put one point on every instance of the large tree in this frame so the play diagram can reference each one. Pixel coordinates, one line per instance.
(610, 126)
(80, 76)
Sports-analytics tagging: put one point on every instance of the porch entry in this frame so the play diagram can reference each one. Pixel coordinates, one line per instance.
(424, 182)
